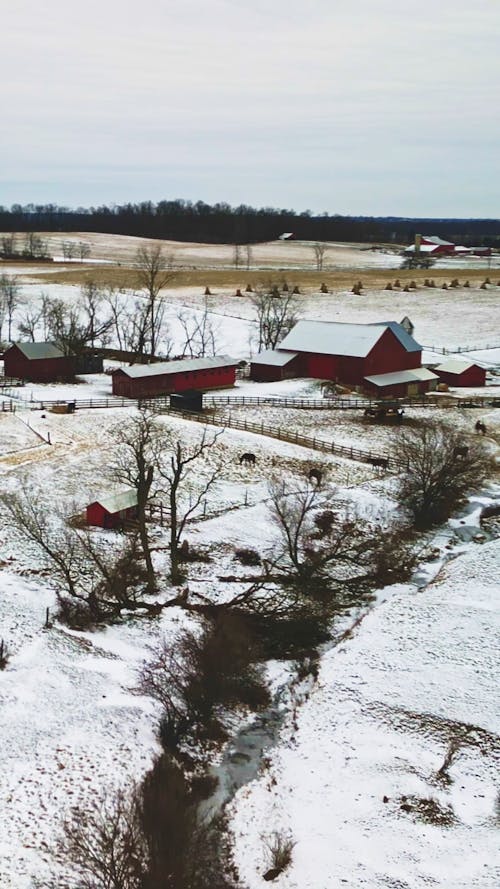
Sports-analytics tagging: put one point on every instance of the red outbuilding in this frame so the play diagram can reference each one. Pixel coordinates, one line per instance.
(112, 510)
(402, 383)
(148, 380)
(458, 372)
(38, 362)
(346, 353)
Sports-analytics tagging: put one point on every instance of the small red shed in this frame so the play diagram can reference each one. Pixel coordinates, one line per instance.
(112, 510)
(38, 362)
(273, 365)
(148, 380)
(402, 383)
(458, 372)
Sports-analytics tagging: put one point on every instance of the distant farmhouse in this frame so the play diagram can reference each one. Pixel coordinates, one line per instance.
(148, 380)
(433, 245)
(38, 362)
(382, 358)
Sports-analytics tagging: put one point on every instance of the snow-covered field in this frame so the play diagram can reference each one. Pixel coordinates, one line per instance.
(420, 670)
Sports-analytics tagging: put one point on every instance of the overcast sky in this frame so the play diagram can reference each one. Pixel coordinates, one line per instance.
(370, 107)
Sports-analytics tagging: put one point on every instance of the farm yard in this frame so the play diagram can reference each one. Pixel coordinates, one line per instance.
(344, 759)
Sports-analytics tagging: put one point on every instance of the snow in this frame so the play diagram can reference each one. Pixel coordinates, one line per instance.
(421, 664)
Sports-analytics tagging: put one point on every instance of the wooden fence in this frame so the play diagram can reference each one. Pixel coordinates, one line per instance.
(375, 458)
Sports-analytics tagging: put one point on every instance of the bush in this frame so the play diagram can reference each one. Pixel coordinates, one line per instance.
(429, 810)
(249, 557)
(280, 847)
(4, 655)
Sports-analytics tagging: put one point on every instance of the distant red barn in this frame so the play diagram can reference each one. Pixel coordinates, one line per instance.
(112, 510)
(38, 362)
(149, 380)
(458, 372)
(347, 353)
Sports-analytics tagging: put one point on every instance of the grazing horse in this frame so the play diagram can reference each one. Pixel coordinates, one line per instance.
(248, 459)
(460, 451)
(480, 427)
(315, 475)
(383, 462)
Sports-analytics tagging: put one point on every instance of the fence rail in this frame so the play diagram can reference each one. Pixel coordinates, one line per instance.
(442, 350)
(375, 458)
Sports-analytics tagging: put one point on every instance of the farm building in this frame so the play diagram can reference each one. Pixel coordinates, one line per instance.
(149, 380)
(458, 372)
(112, 510)
(345, 353)
(38, 362)
(401, 383)
(272, 365)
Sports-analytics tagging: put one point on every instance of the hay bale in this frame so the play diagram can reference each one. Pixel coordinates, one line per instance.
(388, 286)
(207, 291)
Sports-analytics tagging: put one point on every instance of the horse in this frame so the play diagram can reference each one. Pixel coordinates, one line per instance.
(248, 458)
(460, 451)
(383, 462)
(480, 427)
(315, 475)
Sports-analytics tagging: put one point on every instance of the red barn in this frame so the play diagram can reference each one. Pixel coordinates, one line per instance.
(272, 365)
(148, 380)
(457, 372)
(38, 362)
(112, 510)
(346, 353)
(402, 383)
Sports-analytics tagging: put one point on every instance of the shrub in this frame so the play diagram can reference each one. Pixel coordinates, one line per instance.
(429, 810)
(280, 847)
(249, 557)
(4, 655)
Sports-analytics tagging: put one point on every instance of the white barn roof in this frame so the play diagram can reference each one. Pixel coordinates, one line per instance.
(338, 338)
(274, 358)
(165, 368)
(455, 366)
(115, 502)
(416, 374)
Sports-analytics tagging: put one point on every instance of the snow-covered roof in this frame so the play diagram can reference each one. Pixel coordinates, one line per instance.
(423, 248)
(455, 366)
(338, 338)
(35, 351)
(286, 236)
(115, 502)
(435, 239)
(164, 368)
(274, 357)
(416, 374)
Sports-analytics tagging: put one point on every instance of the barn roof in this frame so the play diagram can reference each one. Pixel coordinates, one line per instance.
(274, 357)
(339, 338)
(416, 374)
(165, 368)
(435, 239)
(423, 248)
(115, 502)
(36, 351)
(455, 366)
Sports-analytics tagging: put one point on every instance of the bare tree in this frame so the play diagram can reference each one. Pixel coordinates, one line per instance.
(104, 844)
(248, 256)
(135, 464)
(442, 467)
(10, 297)
(275, 315)
(83, 250)
(69, 249)
(91, 302)
(177, 473)
(28, 324)
(200, 333)
(154, 272)
(319, 254)
(237, 255)
(35, 247)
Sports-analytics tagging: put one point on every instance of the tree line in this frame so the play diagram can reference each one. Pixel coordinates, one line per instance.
(184, 220)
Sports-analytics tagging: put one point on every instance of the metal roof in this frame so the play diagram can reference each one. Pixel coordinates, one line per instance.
(35, 351)
(454, 366)
(115, 502)
(183, 365)
(338, 338)
(274, 357)
(435, 239)
(414, 375)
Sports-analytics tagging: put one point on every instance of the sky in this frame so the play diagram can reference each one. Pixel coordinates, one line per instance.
(371, 107)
